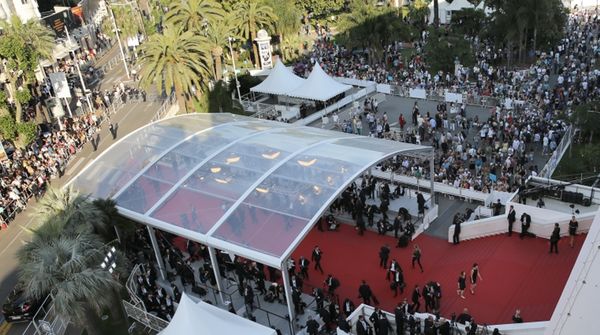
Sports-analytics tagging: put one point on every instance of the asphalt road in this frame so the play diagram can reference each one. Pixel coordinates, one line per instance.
(129, 118)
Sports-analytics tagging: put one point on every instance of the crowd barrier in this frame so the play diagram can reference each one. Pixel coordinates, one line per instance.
(527, 328)
(542, 224)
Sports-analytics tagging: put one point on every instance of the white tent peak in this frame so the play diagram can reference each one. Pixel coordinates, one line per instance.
(202, 318)
(319, 86)
(279, 82)
(458, 5)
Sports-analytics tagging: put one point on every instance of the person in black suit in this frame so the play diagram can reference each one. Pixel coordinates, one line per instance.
(374, 318)
(364, 292)
(383, 324)
(512, 217)
(304, 263)
(456, 222)
(399, 315)
(525, 224)
(554, 238)
(316, 257)
(348, 307)
(312, 326)
(363, 327)
(343, 324)
(384, 254)
(332, 284)
(421, 202)
(416, 296)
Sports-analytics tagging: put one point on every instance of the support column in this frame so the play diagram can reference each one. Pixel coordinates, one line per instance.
(157, 254)
(288, 293)
(215, 266)
(431, 176)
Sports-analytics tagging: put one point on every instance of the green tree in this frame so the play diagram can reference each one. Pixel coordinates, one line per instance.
(194, 15)
(321, 8)
(418, 14)
(529, 23)
(444, 48)
(217, 35)
(22, 46)
(176, 61)
(254, 15)
(288, 16)
(75, 212)
(468, 21)
(68, 266)
(587, 118)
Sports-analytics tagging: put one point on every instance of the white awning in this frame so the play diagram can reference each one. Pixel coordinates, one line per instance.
(319, 86)
(458, 5)
(202, 318)
(279, 82)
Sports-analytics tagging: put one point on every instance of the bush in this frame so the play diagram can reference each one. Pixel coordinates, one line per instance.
(27, 133)
(24, 96)
(8, 127)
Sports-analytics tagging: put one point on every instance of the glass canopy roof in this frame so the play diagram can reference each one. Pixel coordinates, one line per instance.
(249, 186)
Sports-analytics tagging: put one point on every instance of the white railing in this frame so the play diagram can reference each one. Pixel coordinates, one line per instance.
(132, 287)
(164, 108)
(46, 321)
(542, 224)
(445, 189)
(528, 328)
(153, 322)
(558, 153)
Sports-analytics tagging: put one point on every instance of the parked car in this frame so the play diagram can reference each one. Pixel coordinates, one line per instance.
(18, 308)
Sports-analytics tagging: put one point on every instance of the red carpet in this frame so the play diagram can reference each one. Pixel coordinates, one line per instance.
(516, 273)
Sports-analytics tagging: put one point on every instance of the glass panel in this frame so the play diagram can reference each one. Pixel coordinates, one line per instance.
(192, 209)
(260, 229)
(142, 194)
(287, 200)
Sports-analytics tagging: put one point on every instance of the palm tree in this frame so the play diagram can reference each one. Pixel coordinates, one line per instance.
(176, 61)
(218, 34)
(22, 45)
(123, 228)
(67, 211)
(254, 15)
(288, 17)
(194, 15)
(68, 266)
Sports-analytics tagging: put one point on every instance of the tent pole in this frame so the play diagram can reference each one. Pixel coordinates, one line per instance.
(288, 293)
(157, 254)
(215, 266)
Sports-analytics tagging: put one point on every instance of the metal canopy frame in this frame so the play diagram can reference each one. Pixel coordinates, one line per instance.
(313, 154)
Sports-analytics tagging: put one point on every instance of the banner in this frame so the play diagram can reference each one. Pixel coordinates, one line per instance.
(453, 97)
(60, 85)
(417, 93)
(77, 12)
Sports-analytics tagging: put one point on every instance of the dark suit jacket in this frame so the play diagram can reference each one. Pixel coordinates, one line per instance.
(362, 329)
(512, 216)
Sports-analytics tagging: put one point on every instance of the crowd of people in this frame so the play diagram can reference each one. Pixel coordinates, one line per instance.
(492, 153)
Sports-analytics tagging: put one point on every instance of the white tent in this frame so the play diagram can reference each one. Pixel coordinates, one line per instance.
(487, 10)
(457, 5)
(279, 82)
(319, 86)
(202, 318)
(442, 4)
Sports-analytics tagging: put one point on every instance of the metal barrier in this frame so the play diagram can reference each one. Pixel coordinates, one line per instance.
(46, 321)
(558, 153)
(151, 321)
(164, 108)
(133, 288)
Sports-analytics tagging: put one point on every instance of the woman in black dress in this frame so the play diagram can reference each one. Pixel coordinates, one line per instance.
(462, 284)
(573, 224)
(475, 274)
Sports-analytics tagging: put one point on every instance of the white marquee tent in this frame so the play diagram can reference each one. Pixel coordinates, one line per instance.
(319, 86)
(457, 5)
(201, 318)
(279, 82)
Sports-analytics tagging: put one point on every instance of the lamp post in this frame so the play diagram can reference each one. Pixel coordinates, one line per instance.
(237, 83)
(112, 17)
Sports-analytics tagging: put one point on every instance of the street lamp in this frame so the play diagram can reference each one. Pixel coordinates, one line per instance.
(237, 83)
(68, 45)
(112, 17)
